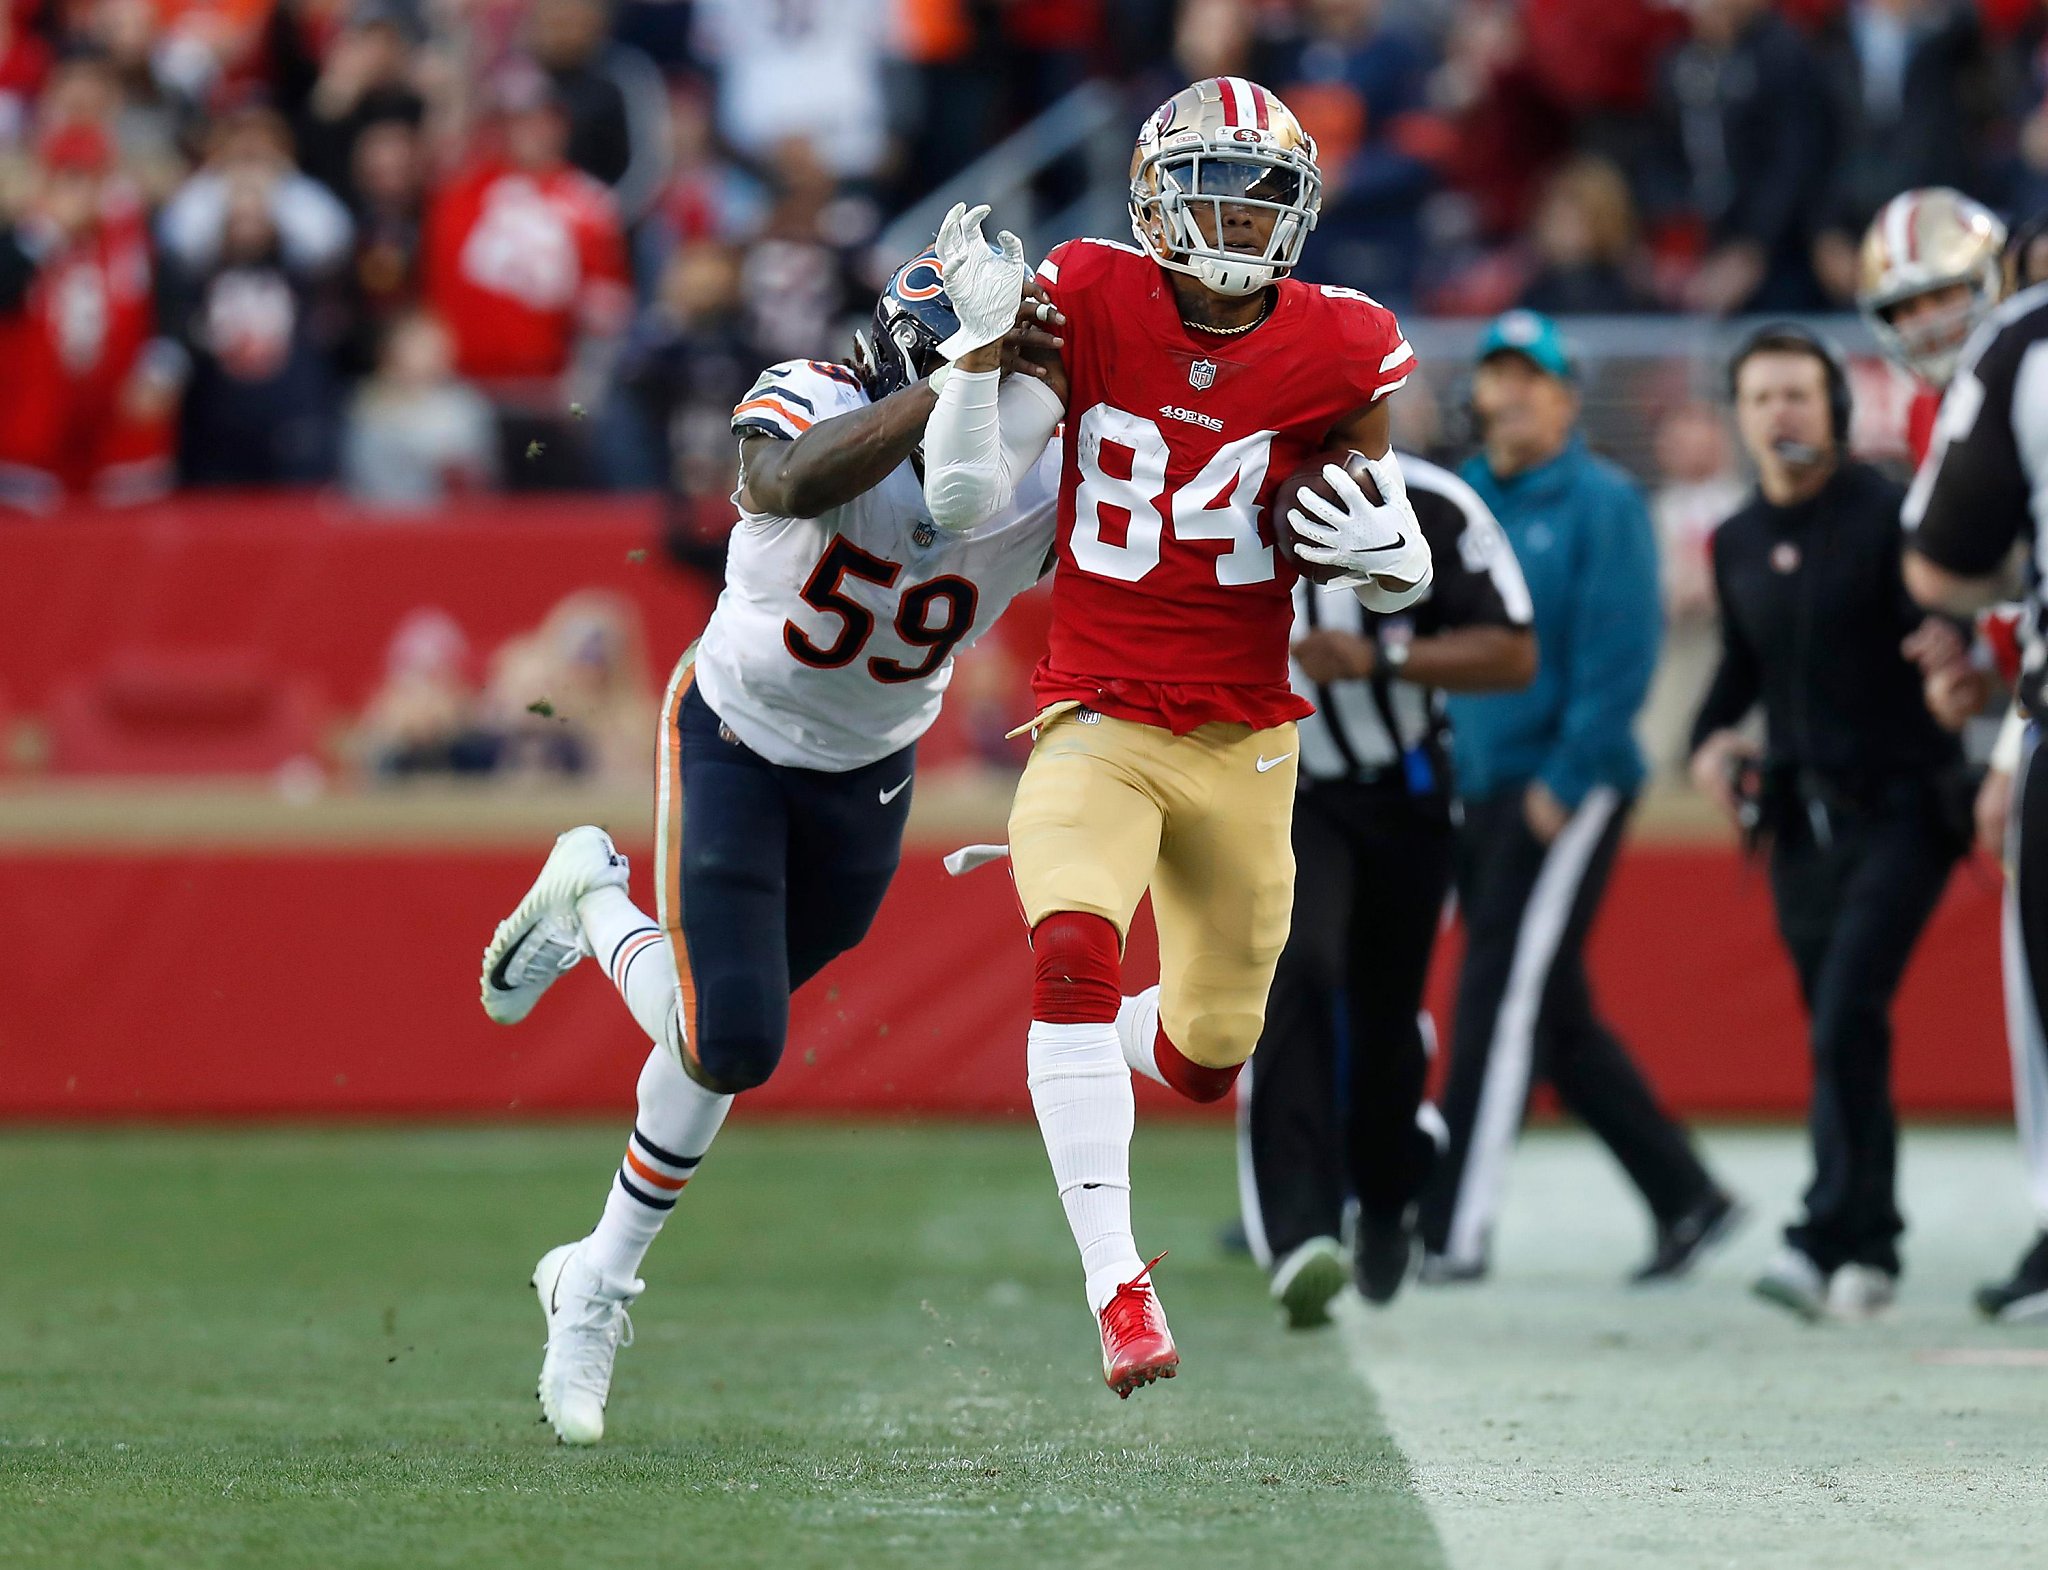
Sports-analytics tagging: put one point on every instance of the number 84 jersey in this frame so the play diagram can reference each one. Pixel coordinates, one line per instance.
(832, 643)
(1171, 606)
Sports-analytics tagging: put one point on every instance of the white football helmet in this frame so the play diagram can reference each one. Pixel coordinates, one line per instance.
(1223, 143)
(1921, 241)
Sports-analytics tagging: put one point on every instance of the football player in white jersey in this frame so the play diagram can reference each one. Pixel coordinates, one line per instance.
(790, 730)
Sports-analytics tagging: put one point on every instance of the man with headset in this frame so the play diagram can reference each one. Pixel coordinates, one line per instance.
(1860, 793)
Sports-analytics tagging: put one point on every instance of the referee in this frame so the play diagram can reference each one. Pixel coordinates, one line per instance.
(1977, 517)
(1372, 849)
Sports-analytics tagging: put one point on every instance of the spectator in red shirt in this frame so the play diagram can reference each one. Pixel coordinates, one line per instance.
(87, 400)
(526, 264)
(524, 253)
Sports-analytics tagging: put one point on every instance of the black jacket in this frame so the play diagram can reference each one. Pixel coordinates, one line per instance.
(1745, 139)
(1813, 609)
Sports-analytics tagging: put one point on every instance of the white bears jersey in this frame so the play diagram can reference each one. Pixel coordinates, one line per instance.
(832, 644)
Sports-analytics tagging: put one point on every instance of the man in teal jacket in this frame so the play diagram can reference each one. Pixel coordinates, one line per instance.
(1548, 775)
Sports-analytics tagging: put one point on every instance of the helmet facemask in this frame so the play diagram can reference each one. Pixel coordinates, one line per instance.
(1179, 192)
(1931, 343)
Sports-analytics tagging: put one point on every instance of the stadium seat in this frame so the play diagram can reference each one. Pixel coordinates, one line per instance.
(160, 711)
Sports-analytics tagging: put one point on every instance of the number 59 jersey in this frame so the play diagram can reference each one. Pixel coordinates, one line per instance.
(1171, 605)
(832, 643)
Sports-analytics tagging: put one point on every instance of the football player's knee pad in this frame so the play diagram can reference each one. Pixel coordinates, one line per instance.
(731, 1061)
(1077, 969)
(1219, 1040)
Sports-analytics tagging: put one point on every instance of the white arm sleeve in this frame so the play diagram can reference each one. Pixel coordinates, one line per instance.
(982, 438)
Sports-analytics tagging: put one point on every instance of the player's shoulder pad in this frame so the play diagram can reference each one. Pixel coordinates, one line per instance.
(788, 399)
(1372, 343)
(1084, 259)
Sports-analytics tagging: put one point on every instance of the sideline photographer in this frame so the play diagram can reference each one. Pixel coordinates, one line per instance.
(1861, 796)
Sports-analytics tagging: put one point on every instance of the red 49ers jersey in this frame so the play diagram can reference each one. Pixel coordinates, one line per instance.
(1170, 605)
(516, 263)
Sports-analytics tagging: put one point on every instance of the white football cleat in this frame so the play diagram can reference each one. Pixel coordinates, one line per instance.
(587, 1324)
(541, 941)
(1859, 1292)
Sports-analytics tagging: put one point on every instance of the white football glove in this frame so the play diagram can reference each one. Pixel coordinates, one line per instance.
(1379, 544)
(986, 285)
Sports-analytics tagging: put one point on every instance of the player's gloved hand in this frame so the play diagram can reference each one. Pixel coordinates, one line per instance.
(985, 284)
(1365, 541)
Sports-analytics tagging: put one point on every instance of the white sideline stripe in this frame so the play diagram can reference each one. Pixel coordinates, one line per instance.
(1505, 1091)
(1396, 355)
(2023, 1031)
(1247, 1178)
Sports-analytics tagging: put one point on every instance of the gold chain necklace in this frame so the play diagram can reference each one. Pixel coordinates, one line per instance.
(1265, 311)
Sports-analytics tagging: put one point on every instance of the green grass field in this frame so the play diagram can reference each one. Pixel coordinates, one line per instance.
(865, 1347)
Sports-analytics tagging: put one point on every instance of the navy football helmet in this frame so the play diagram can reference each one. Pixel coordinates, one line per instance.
(912, 318)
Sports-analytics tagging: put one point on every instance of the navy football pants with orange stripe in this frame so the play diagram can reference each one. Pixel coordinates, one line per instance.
(781, 870)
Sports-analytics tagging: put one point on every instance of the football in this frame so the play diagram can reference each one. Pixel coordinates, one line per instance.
(1309, 477)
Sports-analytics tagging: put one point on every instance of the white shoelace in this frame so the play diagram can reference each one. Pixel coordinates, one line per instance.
(556, 945)
(592, 1340)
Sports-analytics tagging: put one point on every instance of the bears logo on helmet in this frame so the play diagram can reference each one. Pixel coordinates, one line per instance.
(913, 316)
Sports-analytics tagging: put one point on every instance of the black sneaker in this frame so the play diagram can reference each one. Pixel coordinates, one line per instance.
(1683, 1243)
(1382, 1253)
(2023, 1299)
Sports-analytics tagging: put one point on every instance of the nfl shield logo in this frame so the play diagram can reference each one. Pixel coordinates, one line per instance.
(1201, 374)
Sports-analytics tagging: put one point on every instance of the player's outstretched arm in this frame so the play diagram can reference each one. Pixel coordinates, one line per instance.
(985, 433)
(836, 459)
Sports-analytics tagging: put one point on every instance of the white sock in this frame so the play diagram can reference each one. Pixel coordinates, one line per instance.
(1137, 1032)
(635, 954)
(677, 1121)
(1081, 1092)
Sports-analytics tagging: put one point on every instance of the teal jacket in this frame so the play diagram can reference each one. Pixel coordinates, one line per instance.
(1583, 537)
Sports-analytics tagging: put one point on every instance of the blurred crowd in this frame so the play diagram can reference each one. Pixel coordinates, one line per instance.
(423, 247)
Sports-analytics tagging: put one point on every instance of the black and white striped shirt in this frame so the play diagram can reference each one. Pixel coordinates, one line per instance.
(1983, 487)
(1363, 729)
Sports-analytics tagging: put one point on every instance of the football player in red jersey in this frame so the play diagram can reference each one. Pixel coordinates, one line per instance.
(1929, 273)
(1200, 376)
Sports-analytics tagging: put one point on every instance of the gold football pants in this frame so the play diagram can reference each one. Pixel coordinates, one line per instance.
(1108, 808)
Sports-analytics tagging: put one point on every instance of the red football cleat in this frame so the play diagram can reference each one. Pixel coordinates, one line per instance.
(1137, 1348)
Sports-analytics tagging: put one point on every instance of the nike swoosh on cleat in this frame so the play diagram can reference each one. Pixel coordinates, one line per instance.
(1273, 763)
(890, 795)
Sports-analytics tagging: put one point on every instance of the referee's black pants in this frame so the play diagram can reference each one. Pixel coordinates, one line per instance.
(1526, 1012)
(1854, 888)
(1327, 1105)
